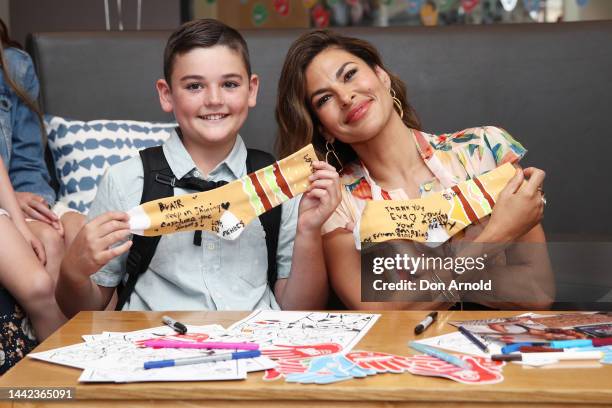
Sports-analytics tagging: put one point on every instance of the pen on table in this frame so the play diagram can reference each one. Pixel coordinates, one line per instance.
(425, 323)
(473, 339)
(177, 326)
(539, 349)
(449, 358)
(565, 355)
(157, 343)
(599, 342)
(203, 359)
(511, 348)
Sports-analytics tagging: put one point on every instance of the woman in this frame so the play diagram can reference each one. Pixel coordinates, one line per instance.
(335, 92)
(23, 283)
(22, 141)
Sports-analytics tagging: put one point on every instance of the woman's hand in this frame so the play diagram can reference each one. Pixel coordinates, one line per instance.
(37, 208)
(34, 242)
(321, 198)
(519, 207)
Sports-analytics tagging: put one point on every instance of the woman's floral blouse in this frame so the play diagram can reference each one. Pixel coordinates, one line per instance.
(451, 157)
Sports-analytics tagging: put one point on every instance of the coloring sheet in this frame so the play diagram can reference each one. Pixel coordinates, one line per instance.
(119, 357)
(221, 370)
(278, 329)
(458, 342)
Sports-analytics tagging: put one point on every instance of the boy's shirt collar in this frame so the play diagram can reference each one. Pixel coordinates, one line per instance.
(182, 164)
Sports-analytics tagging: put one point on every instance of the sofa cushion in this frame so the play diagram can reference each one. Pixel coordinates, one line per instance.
(82, 151)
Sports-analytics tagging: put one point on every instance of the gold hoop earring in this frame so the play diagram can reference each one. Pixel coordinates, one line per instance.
(329, 146)
(397, 103)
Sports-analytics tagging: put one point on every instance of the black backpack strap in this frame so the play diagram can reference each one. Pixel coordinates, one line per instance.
(158, 183)
(271, 220)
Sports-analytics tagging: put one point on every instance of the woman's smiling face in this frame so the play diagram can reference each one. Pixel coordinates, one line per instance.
(351, 100)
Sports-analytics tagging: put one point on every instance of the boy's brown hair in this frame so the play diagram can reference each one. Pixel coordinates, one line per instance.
(204, 33)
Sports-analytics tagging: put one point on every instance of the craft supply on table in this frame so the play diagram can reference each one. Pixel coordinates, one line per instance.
(425, 323)
(449, 358)
(176, 325)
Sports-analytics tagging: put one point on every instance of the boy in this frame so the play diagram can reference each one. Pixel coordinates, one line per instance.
(209, 87)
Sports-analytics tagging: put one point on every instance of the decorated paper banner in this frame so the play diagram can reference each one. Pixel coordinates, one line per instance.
(532, 5)
(437, 217)
(469, 5)
(509, 5)
(429, 14)
(446, 5)
(282, 7)
(259, 14)
(356, 11)
(414, 6)
(228, 209)
(320, 16)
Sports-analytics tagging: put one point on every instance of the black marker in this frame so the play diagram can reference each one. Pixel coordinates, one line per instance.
(421, 327)
(177, 326)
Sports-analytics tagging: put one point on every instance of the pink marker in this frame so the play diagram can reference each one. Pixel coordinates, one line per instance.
(202, 345)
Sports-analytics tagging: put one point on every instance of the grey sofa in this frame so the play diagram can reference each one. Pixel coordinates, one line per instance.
(549, 85)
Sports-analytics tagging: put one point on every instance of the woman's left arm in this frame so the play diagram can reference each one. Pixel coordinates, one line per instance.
(307, 286)
(28, 170)
(526, 281)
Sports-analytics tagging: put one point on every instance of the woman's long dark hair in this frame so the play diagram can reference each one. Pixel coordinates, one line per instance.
(297, 122)
(21, 94)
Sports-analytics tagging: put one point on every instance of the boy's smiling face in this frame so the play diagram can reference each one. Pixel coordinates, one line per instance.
(210, 95)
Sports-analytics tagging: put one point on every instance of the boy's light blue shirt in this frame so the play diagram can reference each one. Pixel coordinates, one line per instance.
(220, 274)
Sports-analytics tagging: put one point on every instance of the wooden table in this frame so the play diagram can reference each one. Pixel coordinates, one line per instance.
(536, 387)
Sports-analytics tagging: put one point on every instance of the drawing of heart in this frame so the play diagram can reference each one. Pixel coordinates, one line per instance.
(225, 206)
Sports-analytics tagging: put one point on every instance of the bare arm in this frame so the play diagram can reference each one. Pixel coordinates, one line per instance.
(344, 266)
(526, 279)
(93, 247)
(307, 286)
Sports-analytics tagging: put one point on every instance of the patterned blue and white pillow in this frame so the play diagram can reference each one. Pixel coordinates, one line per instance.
(82, 151)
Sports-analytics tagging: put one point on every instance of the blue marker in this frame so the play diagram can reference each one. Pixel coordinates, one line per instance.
(449, 358)
(511, 348)
(203, 359)
(572, 343)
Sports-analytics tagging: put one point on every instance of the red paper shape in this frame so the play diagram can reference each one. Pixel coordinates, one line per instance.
(484, 371)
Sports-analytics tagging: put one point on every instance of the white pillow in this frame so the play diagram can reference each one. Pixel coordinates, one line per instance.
(82, 151)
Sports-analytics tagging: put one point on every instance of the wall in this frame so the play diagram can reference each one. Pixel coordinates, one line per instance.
(4, 13)
(65, 15)
(593, 10)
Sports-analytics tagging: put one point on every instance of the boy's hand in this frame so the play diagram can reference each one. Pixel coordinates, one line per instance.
(93, 246)
(321, 198)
